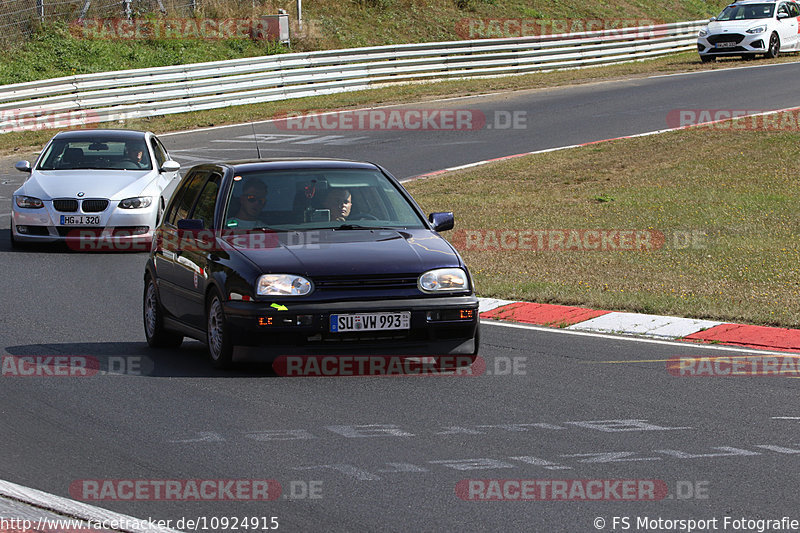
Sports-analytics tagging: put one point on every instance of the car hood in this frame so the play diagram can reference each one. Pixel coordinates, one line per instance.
(735, 26)
(113, 184)
(350, 252)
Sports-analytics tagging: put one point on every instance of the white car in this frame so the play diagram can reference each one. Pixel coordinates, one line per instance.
(102, 184)
(749, 28)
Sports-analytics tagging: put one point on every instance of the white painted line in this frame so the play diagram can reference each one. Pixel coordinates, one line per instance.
(786, 417)
(487, 304)
(669, 327)
(683, 345)
(71, 508)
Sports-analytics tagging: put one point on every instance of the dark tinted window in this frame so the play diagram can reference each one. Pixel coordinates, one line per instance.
(204, 210)
(186, 196)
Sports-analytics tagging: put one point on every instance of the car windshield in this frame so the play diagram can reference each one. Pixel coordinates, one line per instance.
(747, 12)
(315, 199)
(96, 153)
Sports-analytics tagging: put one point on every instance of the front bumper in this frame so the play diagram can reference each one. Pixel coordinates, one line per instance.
(750, 44)
(436, 327)
(121, 229)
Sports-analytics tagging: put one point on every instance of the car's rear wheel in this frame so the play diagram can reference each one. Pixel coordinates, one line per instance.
(774, 46)
(220, 346)
(157, 336)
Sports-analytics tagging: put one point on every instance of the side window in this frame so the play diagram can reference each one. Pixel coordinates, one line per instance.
(159, 152)
(782, 9)
(186, 196)
(204, 210)
(794, 11)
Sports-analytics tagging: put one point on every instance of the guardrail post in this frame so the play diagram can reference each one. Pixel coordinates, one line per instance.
(126, 4)
(40, 9)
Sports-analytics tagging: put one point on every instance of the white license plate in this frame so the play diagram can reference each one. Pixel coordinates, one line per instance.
(80, 220)
(370, 321)
(726, 45)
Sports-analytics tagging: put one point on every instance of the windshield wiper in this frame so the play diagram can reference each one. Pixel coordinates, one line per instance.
(358, 226)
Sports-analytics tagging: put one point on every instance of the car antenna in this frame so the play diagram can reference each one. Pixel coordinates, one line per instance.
(255, 138)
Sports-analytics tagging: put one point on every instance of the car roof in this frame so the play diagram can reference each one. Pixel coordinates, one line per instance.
(105, 134)
(295, 163)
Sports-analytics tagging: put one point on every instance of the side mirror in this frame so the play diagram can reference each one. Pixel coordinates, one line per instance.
(23, 166)
(712, 19)
(782, 15)
(442, 221)
(170, 166)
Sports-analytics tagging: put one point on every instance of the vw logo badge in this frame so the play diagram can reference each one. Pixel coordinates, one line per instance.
(80, 195)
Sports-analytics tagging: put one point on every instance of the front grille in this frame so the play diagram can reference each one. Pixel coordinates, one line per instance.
(726, 38)
(94, 206)
(65, 206)
(348, 283)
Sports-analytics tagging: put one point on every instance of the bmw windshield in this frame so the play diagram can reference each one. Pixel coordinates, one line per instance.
(96, 154)
(746, 12)
(314, 199)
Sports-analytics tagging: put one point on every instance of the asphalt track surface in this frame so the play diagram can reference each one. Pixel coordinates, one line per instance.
(386, 454)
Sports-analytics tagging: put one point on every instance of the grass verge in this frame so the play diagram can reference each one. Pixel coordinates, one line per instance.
(724, 201)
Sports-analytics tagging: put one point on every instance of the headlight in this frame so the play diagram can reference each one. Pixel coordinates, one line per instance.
(28, 202)
(758, 29)
(282, 285)
(703, 32)
(443, 280)
(136, 203)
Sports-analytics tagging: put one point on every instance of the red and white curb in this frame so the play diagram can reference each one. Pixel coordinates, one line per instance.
(653, 326)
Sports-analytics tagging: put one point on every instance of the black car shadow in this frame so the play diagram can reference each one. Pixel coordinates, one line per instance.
(130, 359)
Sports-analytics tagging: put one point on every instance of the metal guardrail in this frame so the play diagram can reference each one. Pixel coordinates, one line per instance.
(127, 94)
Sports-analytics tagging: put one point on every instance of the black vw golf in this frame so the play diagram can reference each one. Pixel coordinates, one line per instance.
(306, 256)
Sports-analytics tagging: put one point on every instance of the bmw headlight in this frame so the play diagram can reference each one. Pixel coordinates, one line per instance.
(758, 29)
(140, 202)
(282, 285)
(703, 32)
(443, 280)
(28, 202)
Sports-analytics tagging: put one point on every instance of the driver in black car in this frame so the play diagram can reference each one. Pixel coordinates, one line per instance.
(340, 203)
(251, 203)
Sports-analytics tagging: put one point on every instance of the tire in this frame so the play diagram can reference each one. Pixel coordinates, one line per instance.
(15, 244)
(218, 337)
(774, 49)
(153, 315)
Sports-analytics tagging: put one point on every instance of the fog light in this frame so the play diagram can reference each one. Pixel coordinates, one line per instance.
(467, 314)
(22, 229)
(305, 320)
(265, 321)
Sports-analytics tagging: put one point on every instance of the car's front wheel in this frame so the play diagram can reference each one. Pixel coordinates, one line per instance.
(220, 346)
(15, 244)
(157, 336)
(774, 46)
